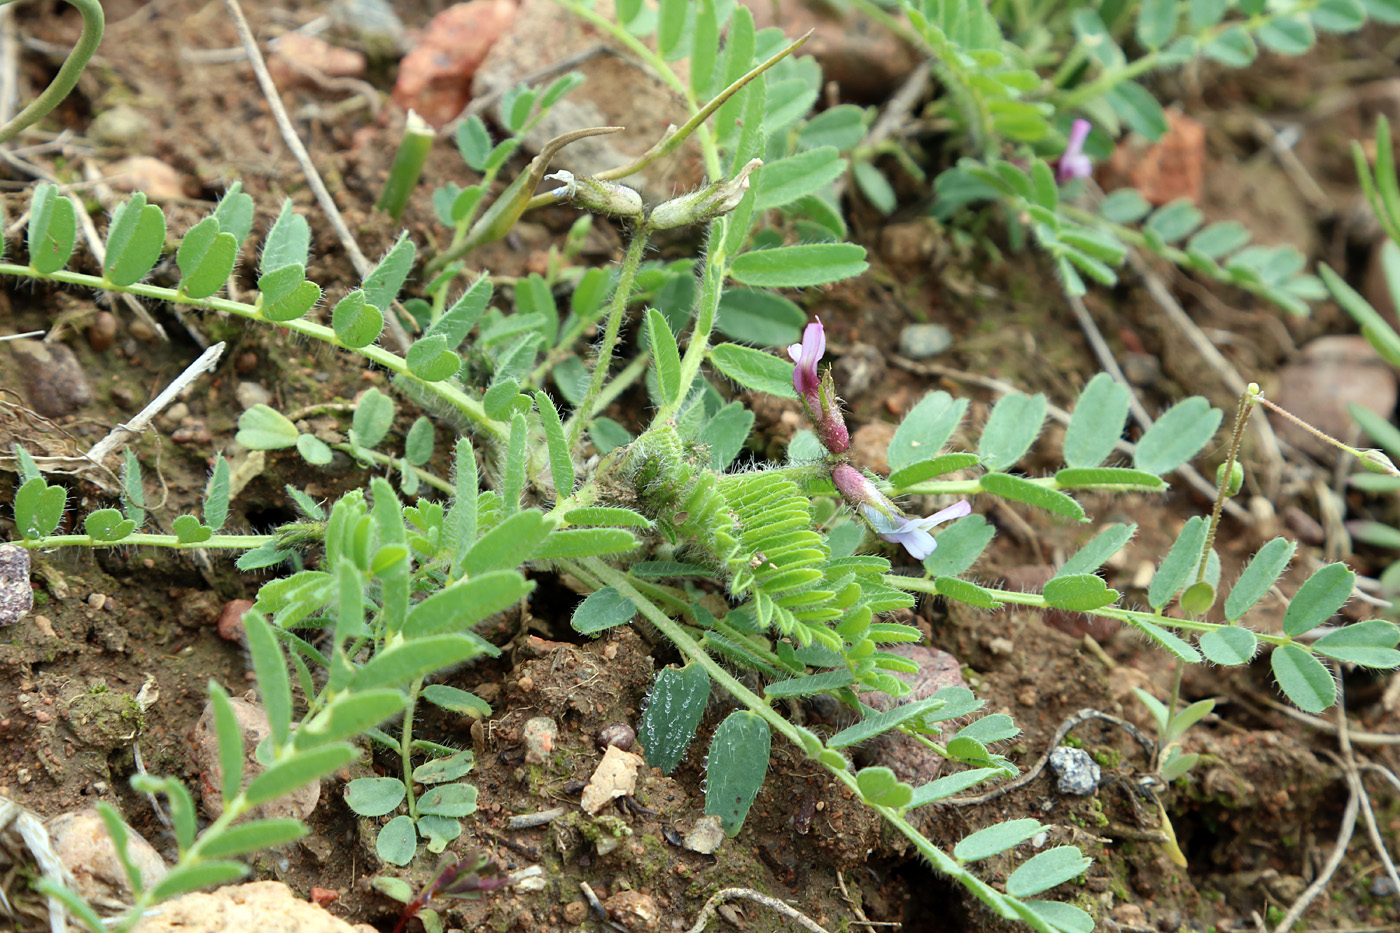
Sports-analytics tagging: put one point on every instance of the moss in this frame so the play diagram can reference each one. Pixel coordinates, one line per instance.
(1072, 741)
(1096, 808)
(1109, 758)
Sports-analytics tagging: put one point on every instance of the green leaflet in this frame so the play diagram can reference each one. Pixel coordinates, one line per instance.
(735, 768)
(672, 713)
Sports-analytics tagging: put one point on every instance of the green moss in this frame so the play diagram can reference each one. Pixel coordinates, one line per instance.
(1109, 758)
(1072, 741)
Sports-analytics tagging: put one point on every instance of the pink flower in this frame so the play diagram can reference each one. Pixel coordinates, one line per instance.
(1074, 163)
(807, 355)
(913, 533)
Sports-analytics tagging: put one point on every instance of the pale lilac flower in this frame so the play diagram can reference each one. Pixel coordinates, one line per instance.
(884, 517)
(913, 533)
(1074, 163)
(807, 355)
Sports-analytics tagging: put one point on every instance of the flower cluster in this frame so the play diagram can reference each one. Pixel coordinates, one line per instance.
(818, 395)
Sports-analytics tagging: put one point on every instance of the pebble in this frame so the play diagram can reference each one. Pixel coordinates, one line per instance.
(539, 735)
(230, 624)
(245, 362)
(372, 23)
(435, 77)
(55, 382)
(173, 415)
(257, 905)
(922, 341)
(249, 394)
(1078, 773)
(1317, 386)
(193, 433)
(870, 446)
(300, 60)
(1383, 887)
(120, 126)
(102, 332)
(159, 180)
(706, 836)
(910, 760)
(81, 842)
(16, 595)
(253, 726)
(635, 911)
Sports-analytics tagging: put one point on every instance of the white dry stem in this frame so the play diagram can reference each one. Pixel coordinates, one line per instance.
(123, 434)
(772, 903)
(31, 831)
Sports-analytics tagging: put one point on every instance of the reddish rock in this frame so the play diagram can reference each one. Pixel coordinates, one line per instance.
(253, 726)
(230, 625)
(81, 842)
(264, 906)
(911, 761)
(55, 382)
(435, 78)
(324, 896)
(1171, 168)
(870, 446)
(865, 59)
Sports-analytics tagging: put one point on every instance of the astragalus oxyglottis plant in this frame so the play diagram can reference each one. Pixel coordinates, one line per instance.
(401, 570)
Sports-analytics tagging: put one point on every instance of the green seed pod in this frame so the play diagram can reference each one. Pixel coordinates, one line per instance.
(1236, 479)
(1198, 599)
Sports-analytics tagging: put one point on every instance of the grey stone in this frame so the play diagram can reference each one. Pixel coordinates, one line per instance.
(1078, 773)
(921, 341)
(16, 595)
(249, 394)
(54, 379)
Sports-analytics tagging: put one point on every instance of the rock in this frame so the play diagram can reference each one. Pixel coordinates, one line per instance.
(435, 78)
(863, 57)
(81, 842)
(16, 595)
(175, 414)
(101, 717)
(870, 447)
(299, 60)
(122, 126)
(249, 394)
(615, 776)
(921, 341)
(102, 332)
(54, 380)
(635, 911)
(909, 760)
(230, 624)
(159, 181)
(706, 836)
(1078, 773)
(539, 735)
(372, 24)
(254, 727)
(615, 92)
(1317, 386)
(264, 906)
(858, 368)
(1171, 168)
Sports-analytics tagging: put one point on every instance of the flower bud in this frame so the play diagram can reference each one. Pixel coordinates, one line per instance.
(1377, 462)
(706, 204)
(1233, 482)
(594, 194)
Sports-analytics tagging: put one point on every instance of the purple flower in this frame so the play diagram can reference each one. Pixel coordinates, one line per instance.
(1074, 163)
(913, 533)
(807, 355)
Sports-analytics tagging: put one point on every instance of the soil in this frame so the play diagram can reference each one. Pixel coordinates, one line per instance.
(1255, 821)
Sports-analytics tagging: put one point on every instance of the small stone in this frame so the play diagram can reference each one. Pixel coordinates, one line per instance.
(175, 414)
(539, 735)
(16, 595)
(97, 601)
(1078, 773)
(635, 911)
(301, 60)
(619, 734)
(615, 776)
(257, 905)
(1142, 369)
(921, 341)
(245, 362)
(55, 381)
(910, 760)
(249, 394)
(122, 126)
(102, 332)
(45, 626)
(575, 912)
(253, 725)
(158, 180)
(435, 77)
(706, 836)
(1330, 373)
(1383, 887)
(371, 23)
(324, 896)
(230, 624)
(81, 842)
(193, 433)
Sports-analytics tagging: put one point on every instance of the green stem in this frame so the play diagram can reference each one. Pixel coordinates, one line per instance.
(432, 479)
(1241, 418)
(67, 78)
(630, 263)
(468, 406)
(716, 268)
(406, 746)
(1128, 616)
(232, 542)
